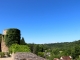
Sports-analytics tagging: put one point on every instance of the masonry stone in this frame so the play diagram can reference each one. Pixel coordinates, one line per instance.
(4, 48)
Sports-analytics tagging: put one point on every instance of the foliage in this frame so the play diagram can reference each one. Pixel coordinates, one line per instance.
(19, 48)
(41, 54)
(12, 36)
(2, 54)
(65, 49)
(78, 58)
(22, 41)
(31, 47)
(35, 48)
(0, 37)
(57, 49)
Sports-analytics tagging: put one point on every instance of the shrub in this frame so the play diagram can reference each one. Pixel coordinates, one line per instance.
(41, 54)
(2, 54)
(18, 48)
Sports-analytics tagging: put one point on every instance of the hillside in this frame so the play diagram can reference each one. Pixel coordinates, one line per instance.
(58, 49)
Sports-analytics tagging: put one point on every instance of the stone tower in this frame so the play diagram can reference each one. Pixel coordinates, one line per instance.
(4, 32)
(4, 48)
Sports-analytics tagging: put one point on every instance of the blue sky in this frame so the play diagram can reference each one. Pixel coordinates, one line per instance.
(42, 21)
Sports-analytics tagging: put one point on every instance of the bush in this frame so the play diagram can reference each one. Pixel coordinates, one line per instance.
(41, 54)
(2, 54)
(18, 48)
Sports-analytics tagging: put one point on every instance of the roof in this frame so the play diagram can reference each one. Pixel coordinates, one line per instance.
(66, 57)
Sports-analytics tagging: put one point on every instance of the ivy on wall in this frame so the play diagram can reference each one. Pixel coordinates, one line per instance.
(12, 36)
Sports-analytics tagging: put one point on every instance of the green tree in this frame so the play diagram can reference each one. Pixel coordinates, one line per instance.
(35, 48)
(31, 46)
(75, 51)
(22, 41)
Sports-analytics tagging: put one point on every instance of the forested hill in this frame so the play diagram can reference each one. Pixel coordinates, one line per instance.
(68, 48)
(63, 44)
(58, 49)
(60, 45)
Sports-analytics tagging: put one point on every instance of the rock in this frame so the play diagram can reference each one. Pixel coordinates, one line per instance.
(27, 56)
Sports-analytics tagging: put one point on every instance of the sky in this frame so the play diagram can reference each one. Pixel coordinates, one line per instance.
(42, 21)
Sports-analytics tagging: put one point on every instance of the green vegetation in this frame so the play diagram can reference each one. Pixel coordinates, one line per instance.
(12, 36)
(2, 54)
(0, 37)
(19, 48)
(41, 54)
(56, 50)
(22, 41)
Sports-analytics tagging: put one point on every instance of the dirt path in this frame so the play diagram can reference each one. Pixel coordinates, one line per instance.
(6, 58)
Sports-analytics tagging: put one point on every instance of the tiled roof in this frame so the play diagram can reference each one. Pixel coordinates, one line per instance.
(65, 58)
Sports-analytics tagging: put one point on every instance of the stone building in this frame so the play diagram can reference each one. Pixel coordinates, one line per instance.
(16, 32)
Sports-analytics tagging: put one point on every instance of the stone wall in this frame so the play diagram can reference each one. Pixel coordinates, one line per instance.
(0, 41)
(4, 48)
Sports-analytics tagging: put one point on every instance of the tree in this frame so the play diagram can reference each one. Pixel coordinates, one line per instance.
(75, 51)
(34, 48)
(22, 41)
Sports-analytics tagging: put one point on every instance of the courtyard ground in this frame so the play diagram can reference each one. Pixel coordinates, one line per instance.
(6, 58)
